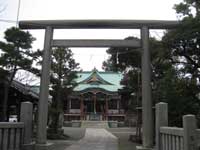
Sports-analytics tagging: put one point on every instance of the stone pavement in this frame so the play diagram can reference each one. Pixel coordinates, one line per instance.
(96, 139)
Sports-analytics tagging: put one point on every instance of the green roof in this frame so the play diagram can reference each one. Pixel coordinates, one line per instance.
(91, 80)
(106, 81)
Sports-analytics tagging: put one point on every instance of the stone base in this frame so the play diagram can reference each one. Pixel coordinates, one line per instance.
(143, 148)
(46, 146)
(28, 146)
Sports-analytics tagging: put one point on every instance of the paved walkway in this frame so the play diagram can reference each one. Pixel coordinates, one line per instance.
(96, 139)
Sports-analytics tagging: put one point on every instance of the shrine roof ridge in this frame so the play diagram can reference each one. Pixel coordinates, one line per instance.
(102, 72)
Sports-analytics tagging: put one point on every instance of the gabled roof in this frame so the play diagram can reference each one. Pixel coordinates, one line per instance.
(105, 81)
(95, 78)
(87, 81)
(26, 89)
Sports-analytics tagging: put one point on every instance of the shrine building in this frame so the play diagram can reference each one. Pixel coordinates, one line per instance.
(96, 97)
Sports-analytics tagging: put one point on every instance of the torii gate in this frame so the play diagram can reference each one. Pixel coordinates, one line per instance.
(143, 25)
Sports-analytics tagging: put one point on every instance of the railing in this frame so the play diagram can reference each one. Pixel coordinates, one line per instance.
(171, 138)
(11, 135)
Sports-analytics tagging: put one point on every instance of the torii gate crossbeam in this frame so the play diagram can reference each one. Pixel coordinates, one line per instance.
(96, 43)
(98, 24)
(143, 25)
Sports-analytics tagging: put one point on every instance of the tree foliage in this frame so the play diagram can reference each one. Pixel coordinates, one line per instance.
(63, 73)
(128, 61)
(188, 8)
(175, 69)
(16, 51)
(183, 46)
(15, 55)
(122, 58)
(181, 94)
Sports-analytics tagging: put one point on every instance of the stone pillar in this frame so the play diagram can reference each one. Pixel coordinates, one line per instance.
(118, 107)
(70, 104)
(81, 108)
(106, 113)
(161, 120)
(190, 133)
(44, 91)
(26, 116)
(147, 112)
(95, 99)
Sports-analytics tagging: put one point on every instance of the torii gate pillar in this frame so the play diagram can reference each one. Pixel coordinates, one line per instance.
(147, 114)
(41, 140)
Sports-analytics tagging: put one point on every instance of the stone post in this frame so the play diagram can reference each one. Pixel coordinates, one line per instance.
(147, 112)
(161, 120)
(69, 104)
(118, 107)
(190, 133)
(106, 108)
(44, 92)
(95, 100)
(26, 116)
(81, 108)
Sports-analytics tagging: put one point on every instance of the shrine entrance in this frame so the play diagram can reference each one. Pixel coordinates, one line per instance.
(95, 106)
(143, 25)
(100, 107)
(89, 106)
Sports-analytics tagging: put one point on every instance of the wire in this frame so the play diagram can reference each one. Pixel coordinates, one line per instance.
(18, 10)
(13, 21)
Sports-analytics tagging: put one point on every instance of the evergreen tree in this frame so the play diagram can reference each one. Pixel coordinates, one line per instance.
(183, 46)
(169, 84)
(16, 54)
(184, 41)
(63, 73)
(128, 61)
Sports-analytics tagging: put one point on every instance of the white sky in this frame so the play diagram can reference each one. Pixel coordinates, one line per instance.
(86, 9)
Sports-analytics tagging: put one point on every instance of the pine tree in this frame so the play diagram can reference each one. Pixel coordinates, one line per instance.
(16, 55)
(63, 73)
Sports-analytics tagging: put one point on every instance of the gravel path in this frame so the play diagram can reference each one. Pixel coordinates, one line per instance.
(96, 139)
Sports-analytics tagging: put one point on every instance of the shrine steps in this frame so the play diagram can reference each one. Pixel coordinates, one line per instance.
(94, 124)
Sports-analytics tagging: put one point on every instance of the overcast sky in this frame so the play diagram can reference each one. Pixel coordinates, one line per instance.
(86, 9)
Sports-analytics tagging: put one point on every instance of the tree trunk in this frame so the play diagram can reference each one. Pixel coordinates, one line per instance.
(7, 85)
(5, 102)
(55, 125)
(58, 107)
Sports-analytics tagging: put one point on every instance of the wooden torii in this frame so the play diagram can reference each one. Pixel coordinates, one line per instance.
(143, 25)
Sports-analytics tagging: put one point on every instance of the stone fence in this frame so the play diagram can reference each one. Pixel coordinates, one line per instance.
(11, 135)
(18, 135)
(173, 138)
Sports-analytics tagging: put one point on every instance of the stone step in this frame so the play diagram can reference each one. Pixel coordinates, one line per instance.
(94, 124)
